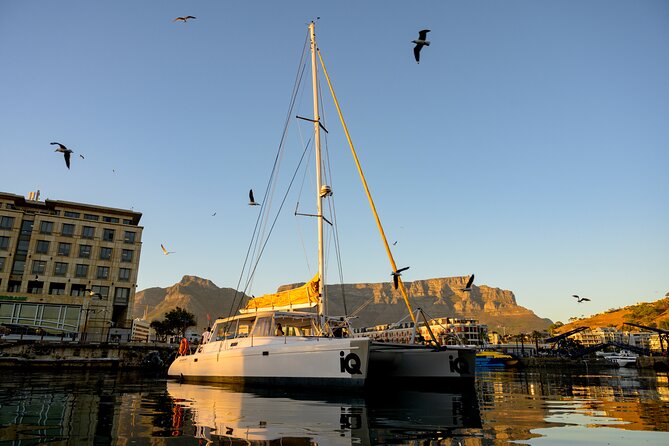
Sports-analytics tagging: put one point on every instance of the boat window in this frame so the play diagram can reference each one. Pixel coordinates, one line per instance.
(263, 327)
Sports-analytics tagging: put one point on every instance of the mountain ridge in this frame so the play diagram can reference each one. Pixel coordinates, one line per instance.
(374, 303)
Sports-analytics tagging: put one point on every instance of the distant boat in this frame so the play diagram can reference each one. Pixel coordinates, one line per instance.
(624, 358)
(492, 358)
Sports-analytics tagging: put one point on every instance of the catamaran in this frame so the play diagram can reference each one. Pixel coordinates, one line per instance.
(280, 339)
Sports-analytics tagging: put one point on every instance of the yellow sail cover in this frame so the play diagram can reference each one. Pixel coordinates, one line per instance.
(302, 297)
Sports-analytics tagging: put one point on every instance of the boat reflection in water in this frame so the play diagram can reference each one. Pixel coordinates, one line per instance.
(263, 416)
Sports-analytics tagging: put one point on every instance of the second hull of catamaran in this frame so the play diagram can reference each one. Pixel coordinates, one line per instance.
(419, 366)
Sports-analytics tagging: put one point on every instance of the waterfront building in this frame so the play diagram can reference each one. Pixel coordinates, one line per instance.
(140, 330)
(67, 269)
(447, 330)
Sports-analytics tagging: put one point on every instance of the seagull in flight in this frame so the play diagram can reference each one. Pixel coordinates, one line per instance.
(580, 299)
(420, 42)
(65, 151)
(396, 275)
(165, 251)
(214, 214)
(184, 19)
(92, 293)
(252, 202)
(468, 287)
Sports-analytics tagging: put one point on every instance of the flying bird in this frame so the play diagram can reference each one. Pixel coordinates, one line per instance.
(92, 293)
(395, 243)
(214, 214)
(396, 275)
(82, 156)
(420, 42)
(468, 287)
(184, 19)
(165, 251)
(65, 151)
(580, 299)
(252, 202)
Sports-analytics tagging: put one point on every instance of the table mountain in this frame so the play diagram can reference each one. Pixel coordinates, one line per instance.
(372, 303)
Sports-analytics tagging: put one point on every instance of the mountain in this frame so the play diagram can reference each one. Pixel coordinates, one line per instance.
(650, 314)
(199, 296)
(372, 303)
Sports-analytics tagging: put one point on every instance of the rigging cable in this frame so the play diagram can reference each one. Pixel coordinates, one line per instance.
(297, 83)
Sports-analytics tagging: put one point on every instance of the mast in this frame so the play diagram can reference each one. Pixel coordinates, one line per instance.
(319, 195)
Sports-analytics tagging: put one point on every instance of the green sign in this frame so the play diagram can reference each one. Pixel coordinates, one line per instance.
(19, 298)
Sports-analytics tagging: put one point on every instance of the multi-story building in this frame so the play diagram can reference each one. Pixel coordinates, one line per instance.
(447, 330)
(67, 268)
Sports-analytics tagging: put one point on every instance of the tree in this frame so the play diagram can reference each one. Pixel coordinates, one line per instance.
(176, 322)
(535, 336)
(161, 329)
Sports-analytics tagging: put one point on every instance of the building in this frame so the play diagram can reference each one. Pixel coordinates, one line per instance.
(67, 269)
(447, 330)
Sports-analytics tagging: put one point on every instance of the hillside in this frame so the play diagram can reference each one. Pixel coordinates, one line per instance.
(651, 314)
(372, 303)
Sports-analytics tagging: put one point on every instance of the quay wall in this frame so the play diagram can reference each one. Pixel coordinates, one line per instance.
(74, 354)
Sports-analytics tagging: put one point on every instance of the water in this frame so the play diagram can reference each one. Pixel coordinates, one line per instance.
(613, 407)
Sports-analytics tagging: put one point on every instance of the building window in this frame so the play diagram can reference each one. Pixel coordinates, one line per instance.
(60, 269)
(14, 286)
(2, 263)
(46, 227)
(91, 217)
(6, 222)
(108, 235)
(67, 230)
(124, 274)
(39, 266)
(78, 290)
(110, 219)
(56, 288)
(81, 270)
(105, 253)
(42, 247)
(70, 214)
(129, 237)
(35, 287)
(103, 290)
(103, 272)
(64, 249)
(4, 243)
(121, 296)
(127, 221)
(88, 232)
(85, 251)
(126, 255)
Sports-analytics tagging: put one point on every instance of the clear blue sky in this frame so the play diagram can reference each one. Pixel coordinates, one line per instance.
(529, 146)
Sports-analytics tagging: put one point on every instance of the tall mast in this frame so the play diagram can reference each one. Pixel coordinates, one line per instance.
(319, 181)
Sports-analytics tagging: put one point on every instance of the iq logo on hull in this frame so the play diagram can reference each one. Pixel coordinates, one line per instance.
(349, 363)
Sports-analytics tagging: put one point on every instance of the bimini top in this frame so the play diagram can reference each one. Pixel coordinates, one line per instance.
(305, 296)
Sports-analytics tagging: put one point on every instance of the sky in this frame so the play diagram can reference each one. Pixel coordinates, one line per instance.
(529, 146)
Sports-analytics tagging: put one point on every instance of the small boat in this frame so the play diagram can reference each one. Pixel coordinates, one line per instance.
(492, 358)
(624, 358)
(278, 339)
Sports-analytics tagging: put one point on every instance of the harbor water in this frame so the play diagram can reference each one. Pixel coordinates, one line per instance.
(606, 407)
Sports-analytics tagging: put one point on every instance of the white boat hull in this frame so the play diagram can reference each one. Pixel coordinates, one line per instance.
(341, 362)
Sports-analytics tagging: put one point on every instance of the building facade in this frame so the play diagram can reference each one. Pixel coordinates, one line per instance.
(67, 269)
(447, 330)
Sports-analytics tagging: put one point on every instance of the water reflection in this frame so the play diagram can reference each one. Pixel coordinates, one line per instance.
(524, 407)
(261, 416)
(545, 407)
